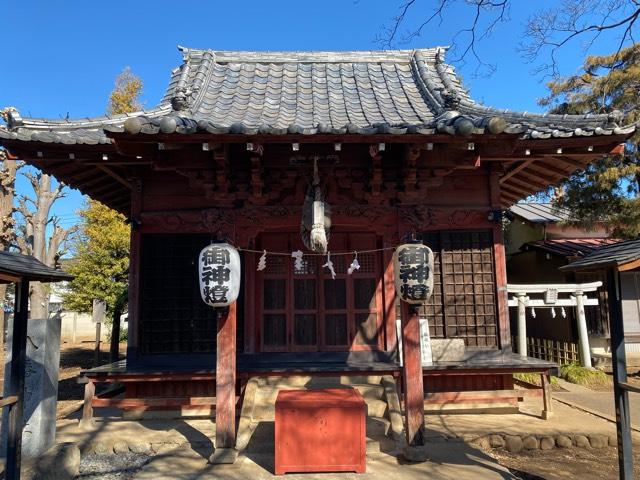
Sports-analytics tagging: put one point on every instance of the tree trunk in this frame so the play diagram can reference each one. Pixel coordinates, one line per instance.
(7, 224)
(114, 352)
(39, 300)
(34, 241)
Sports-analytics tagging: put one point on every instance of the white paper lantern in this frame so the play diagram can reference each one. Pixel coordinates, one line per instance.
(219, 274)
(413, 272)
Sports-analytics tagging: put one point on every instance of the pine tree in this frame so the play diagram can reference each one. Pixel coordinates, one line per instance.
(606, 192)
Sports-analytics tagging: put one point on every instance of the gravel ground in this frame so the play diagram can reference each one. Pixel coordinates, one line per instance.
(111, 467)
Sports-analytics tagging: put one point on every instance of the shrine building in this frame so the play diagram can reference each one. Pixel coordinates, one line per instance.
(242, 148)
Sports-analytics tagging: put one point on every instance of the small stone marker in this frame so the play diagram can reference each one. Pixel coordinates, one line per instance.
(582, 441)
(547, 443)
(513, 443)
(530, 443)
(598, 441)
(496, 441)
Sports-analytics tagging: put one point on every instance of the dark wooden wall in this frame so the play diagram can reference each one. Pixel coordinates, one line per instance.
(385, 195)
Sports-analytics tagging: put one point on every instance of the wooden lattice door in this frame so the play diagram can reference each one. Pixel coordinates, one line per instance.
(307, 309)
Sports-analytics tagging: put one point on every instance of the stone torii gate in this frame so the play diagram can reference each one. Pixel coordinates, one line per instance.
(576, 299)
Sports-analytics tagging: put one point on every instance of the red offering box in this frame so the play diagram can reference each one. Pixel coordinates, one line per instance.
(320, 431)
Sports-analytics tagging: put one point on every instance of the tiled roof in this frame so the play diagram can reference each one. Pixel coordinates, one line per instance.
(569, 247)
(615, 255)
(29, 268)
(390, 92)
(539, 212)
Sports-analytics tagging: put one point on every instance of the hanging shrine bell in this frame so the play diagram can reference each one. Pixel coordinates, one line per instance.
(413, 272)
(219, 274)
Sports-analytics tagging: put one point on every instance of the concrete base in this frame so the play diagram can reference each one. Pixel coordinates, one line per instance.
(415, 453)
(223, 455)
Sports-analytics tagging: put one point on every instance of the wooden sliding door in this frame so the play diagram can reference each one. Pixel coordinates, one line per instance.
(307, 309)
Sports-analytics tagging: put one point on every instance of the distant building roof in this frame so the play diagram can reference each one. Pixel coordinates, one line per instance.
(569, 247)
(539, 212)
(617, 255)
(29, 268)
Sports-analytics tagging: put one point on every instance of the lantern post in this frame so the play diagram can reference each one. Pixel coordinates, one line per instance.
(413, 267)
(219, 274)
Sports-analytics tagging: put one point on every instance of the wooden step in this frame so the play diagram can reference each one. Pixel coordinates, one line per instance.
(377, 427)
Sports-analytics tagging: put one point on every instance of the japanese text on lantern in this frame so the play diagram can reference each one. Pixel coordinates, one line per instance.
(219, 269)
(215, 274)
(413, 272)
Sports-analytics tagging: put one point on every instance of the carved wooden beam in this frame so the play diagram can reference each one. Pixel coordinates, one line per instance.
(376, 170)
(411, 155)
(256, 171)
(115, 176)
(221, 161)
(515, 170)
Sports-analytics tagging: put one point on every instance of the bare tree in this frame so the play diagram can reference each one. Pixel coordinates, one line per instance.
(36, 215)
(546, 32)
(8, 170)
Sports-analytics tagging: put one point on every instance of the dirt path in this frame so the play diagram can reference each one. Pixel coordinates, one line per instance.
(73, 359)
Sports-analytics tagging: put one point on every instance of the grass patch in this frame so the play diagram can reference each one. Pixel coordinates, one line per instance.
(533, 378)
(574, 373)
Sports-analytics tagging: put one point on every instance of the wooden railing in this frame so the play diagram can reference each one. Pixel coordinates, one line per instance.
(550, 350)
(8, 401)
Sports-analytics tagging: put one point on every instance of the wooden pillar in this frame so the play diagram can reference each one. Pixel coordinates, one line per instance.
(390, 314)
(412, 369)
(619, 363)
(583, 334)
(226, 380)
(249, 302)
(87, 406)
(545, 383)
(500, 262)
(522, 324)
(133, 322)
(16, 387)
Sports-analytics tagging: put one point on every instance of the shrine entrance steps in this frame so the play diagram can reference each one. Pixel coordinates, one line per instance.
(256, 425)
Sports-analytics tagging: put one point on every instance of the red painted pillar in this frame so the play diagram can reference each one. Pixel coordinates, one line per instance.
(226, 378)
(412, 370)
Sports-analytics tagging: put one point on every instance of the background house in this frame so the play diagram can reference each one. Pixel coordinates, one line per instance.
(538, 244)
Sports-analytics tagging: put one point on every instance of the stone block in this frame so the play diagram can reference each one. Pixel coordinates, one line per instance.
(415, 453)
(140, 447)
(562, 441)
(613, 440)
(101, 448)
(224, 455)
(581, 441)
(163, 448)
(373, 446)
(496, 441)
(447, 350)
(547, 443)
(530, 443)
(376, 408)
(120, 447)
(598, 441)
(62, 462)
(513, 443)
(41, 386)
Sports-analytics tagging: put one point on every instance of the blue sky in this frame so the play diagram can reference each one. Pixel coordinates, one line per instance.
(61, 57)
